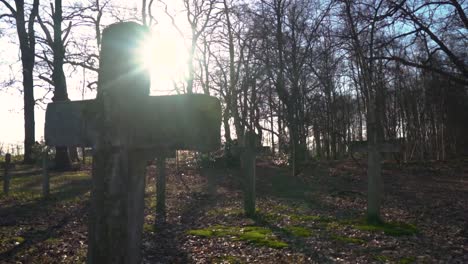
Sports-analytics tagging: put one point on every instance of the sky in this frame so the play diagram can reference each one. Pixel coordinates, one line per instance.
(168, 58)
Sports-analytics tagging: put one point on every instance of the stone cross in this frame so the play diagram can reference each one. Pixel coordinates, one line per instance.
(248, 165)
(6, 176)
(45, 173)
(374, 172)
(248, 151)
(126, 127)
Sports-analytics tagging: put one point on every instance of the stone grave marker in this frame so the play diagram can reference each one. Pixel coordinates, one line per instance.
(126, 127)
(161, 188)
(248, 151)
(374, 175)
(6, 175)
(45, 173)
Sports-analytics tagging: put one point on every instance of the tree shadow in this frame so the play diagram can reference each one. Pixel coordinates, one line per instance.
(277, 182)
(295, 243)
(42, 208)
(63, 192)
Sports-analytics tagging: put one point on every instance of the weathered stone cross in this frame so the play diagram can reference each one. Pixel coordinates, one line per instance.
(374, 172)
(126, 127)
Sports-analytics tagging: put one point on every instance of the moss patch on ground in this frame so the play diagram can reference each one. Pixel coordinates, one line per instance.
(256, 235)
(298, 231)
(381, 258)
(53, 241)
(407, 260)
(227, 259)
(232, 211)
(351, 240)
(314, 218)
(149, 228)
(391, 228)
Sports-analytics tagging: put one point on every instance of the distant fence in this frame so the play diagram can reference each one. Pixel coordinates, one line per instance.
(14, 149)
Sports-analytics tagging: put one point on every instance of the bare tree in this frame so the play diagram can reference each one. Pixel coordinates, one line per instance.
(27, 41)
(199, 16)
(55, 42)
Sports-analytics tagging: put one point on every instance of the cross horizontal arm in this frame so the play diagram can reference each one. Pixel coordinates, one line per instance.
(190, 122)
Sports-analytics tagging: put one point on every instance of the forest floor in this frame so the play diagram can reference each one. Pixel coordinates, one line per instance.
(316, 217)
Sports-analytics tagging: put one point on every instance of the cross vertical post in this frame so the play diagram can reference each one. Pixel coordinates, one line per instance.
(118, 177)
(374, 184)
(374, 152)
(6, 176)
(248, 164)
(161, 189)
(45, 173)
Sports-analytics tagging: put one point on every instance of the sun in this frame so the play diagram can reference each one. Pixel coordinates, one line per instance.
(163, 53)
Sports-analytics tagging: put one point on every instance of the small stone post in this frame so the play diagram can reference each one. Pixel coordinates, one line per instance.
(248, 158)
(212, 180)
(161, 190)
(209, 171)
(6, 177)
(45, 173)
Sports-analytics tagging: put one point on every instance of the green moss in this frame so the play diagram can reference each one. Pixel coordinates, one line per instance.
(252, 234)
(268, 216)
(52, 240)
(225, 212)
(407, 260)
(201, 232)
(151, 202)
(351, 240)
(314, 218)
(18, 239)
(281, 208)
(149, 228)
(333, 226)
(381, 258)
(298, 231)
(391, 229)
(214, 231)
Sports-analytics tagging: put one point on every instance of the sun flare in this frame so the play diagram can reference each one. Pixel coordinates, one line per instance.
(164, 55)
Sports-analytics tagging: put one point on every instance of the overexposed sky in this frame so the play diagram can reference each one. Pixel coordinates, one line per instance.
(168, 62)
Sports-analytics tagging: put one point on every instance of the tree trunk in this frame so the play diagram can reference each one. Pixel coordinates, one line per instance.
(29, 103)
(62, 159)
(27, 43)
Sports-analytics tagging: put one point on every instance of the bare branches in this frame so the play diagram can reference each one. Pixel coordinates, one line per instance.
(455, 78)
(10, 8)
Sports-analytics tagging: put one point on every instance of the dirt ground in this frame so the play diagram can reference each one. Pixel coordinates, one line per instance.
(316, 217)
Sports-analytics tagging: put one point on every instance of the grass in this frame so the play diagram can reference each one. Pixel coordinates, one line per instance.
(26, 184)
(255, 235)
(25, 198)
